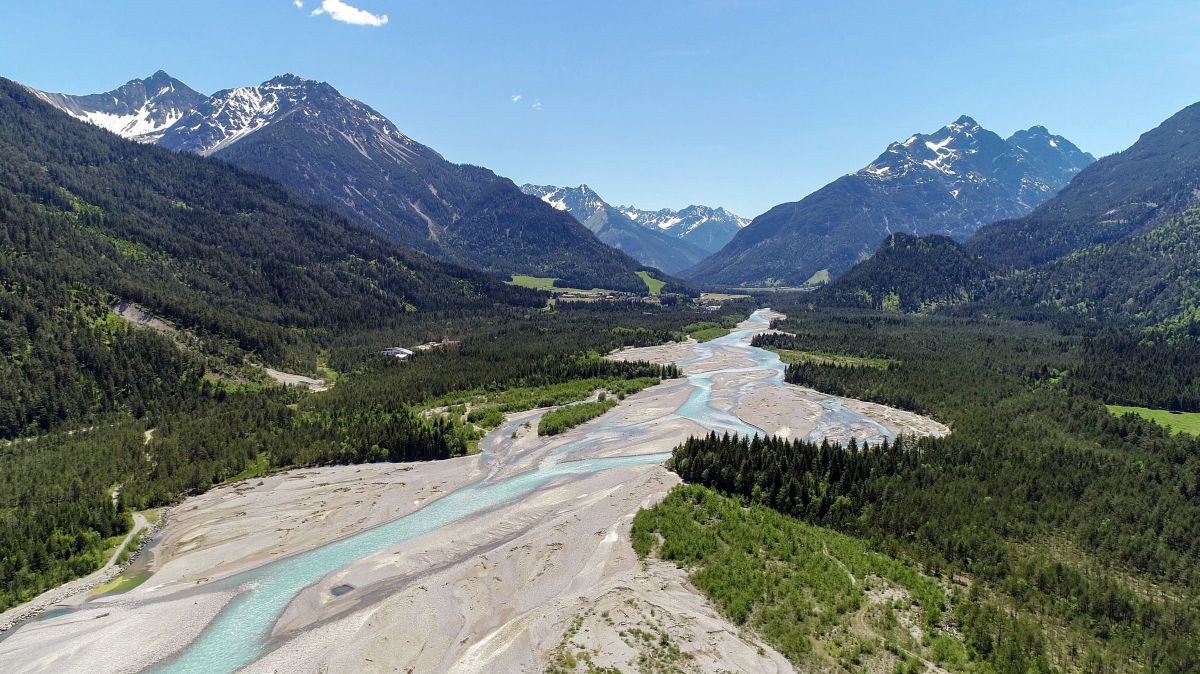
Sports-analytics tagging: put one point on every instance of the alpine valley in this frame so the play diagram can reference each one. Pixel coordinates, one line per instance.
(342, 154)
(283, 389)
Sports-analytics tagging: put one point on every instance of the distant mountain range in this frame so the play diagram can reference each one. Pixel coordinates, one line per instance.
(666, 239)
(703, 226)
(341, 153)
(951, 182)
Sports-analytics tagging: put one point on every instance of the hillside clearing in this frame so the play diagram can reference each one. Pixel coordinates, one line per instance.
(1176, 422)
(535, 282)
(654, 285)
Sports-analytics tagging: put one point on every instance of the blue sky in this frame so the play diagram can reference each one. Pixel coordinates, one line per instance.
(744, 104)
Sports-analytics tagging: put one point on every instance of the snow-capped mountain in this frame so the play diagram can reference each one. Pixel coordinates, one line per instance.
(646, 243)
(1012, 175)
(951, 181)
(140, 109)
(704, 226)
(578, 201)
(233, 114)
(341, 153)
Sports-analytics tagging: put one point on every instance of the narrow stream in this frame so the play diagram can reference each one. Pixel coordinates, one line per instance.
(239, 633)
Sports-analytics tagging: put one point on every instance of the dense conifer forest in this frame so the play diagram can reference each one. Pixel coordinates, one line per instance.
(909, 273)
(1058, 511)
(88, 220)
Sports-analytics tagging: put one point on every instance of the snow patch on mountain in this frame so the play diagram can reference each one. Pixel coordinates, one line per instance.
(951, 181)
(131, 126)
(141, 109)
(231, 115)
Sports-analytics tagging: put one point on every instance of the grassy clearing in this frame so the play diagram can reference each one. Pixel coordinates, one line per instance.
(482, 410)
(705, 331)
(547, 283)
(791, 357)
(111, 545)
(128, 550)
(654, 285)
(536, 282)
(152, 515)
(708, 334)
(1177, 422)
(778, 290)
(812, 593)
(520, 399)
(818, 279)
(324, 371)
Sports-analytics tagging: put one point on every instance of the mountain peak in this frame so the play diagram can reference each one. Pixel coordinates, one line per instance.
(233, 114)
(963, 151)
(1056, 153)
(951, 181)
(140, 109)
(289, 80)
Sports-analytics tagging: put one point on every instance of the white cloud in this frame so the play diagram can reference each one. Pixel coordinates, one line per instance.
(298, 3)
(340, 11)
(517, 98)
(537, 104)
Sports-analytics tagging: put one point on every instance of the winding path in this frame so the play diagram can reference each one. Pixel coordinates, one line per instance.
(56, 597)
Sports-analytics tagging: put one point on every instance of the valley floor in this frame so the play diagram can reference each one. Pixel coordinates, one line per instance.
(533, 583)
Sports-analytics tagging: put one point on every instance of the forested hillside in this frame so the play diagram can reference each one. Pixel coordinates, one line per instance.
(88, 219)
(1150, 279)
(341, 153)
(1119, 195)
(909, 273)
(473, 218)
(1060, 512)
(1116, 247)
